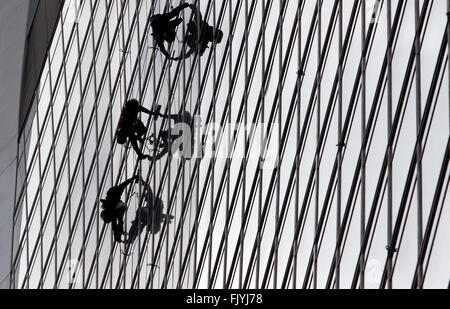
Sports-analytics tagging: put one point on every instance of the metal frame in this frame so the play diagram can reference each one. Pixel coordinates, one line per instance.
(236, 224)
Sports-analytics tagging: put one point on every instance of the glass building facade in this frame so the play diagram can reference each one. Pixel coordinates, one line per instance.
(351, 97)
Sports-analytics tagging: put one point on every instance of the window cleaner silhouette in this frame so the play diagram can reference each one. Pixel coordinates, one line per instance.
(199, 35)
(164, 27)
(114, 209)
(131, 128)
(181, 137)
(151, 217)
